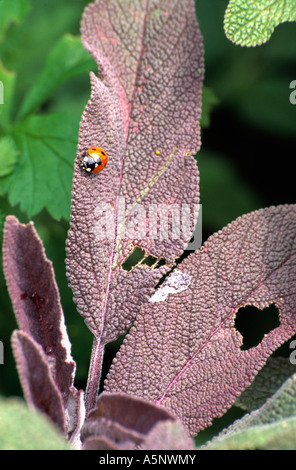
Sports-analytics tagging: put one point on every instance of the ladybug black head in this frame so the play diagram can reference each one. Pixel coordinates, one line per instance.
(88, 164)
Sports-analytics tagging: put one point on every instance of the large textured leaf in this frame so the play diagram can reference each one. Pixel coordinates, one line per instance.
(184, 351)
(147, 99)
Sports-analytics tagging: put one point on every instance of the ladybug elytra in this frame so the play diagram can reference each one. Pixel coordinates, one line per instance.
(95, 160)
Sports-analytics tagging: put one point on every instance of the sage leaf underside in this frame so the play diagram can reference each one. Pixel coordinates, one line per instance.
(35, 296)
(183, 351)
(41, 345)
(38, 384)
(147, 98)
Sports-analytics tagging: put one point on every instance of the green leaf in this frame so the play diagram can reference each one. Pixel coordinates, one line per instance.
(12, 12)
(43, 175)
(7, 87)
(66, 59)
(251, 23)
(266, 382)
(8, 154)
(280, 435)
(24, 429)
(280, 406)
(272, 426)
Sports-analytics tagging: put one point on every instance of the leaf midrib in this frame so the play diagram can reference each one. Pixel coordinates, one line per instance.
(113, 251)
(210, 336)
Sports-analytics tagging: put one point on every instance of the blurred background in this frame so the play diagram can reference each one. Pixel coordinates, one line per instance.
(248, 138)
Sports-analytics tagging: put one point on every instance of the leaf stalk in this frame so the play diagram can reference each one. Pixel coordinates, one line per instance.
(94, 375)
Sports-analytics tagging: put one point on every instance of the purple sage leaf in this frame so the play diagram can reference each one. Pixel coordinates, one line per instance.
(184, 351)
(35, 297)
(39, 387)
(144, 112)
(124, 422)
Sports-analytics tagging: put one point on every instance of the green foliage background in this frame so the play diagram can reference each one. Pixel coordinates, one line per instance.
(248, 134)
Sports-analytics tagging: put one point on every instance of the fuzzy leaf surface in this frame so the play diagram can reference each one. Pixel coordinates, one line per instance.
(279, 435)
(267, 381)
(275, 419)
(124, 422)
(147, 98)
(183, 351)
(34, 293)
(38, 384)
(20, 429)
(279, 406)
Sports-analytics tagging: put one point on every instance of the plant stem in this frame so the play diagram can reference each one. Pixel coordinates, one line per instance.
(94, 375)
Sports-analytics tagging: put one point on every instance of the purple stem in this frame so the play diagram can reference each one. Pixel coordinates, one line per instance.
(94, 375)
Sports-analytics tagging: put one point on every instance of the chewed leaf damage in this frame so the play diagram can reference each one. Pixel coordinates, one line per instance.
(176, 282)
(150, 136)
(139, 258)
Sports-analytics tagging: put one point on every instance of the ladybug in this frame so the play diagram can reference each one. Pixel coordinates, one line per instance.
(95, 160)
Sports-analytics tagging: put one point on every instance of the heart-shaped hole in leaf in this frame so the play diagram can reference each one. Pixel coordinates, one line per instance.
(254, 323)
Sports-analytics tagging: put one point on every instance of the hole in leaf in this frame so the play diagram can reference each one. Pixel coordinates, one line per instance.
(133, 259)
(253, 324)
(161, 262)
(149, 261)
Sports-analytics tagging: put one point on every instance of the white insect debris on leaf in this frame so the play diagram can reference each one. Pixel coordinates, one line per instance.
(176, 282)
